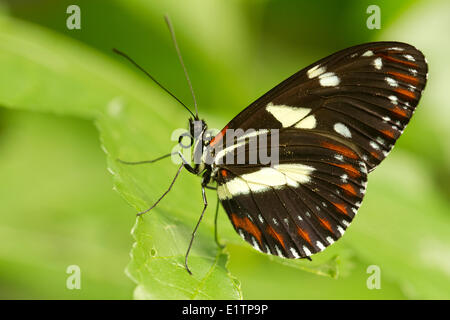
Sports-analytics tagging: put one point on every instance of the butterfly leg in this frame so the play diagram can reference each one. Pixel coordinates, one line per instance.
(205, 205)
(216, 237)
(164, 194)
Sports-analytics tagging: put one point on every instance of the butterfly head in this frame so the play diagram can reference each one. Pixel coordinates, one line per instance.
(195, 139)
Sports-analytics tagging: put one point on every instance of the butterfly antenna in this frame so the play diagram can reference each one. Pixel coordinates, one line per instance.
(151, 77)
(174, 39)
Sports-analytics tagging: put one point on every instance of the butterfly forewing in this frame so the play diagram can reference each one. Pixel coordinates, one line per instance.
(337, 120)
(364, 95)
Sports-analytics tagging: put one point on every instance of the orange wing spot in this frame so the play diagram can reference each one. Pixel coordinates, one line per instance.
(404, 77)
(349, 169)
(224, 173)
(218, 137)
(375, 154)
(326, 224)
(406, 93)
(408, 63)
(341, 207)
(276, 235)
(388, 133)
(304, 235)
(348, 188)
(399, 111)
(245, 224)
(342, 150)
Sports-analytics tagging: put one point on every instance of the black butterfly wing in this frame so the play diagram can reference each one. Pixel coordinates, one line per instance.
(300, 205)
(363, 96)
(337, 120)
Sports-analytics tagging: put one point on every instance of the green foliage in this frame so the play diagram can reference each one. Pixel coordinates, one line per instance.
(402, 225)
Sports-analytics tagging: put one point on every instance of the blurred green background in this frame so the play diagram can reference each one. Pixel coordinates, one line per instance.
(57, 206)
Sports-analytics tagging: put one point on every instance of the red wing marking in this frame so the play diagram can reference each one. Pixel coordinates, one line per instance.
(406, 93)
(245, 224)
(276, 235)
(218, 137)
(304, 235)
(326, 224)
(408, 63)
(388, 133)
(341, 207)
(401, 112)
(375, 154)
(348, 168)
(342, 150)
(224, 173)
(404, 77)
(348, 188)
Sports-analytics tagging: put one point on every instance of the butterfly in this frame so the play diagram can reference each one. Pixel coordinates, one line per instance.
(335, 121)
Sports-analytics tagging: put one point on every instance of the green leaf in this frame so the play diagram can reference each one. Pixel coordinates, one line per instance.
(46, 72)
(50, 73)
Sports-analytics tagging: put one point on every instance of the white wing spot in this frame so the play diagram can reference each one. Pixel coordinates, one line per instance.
(342, 129)
(339, 157)
(330, 240)
(306, 250)
(300, 218)
(280, 254)
(374, 145)
(345, 223)
(329, 79)
(368, 53)
(341, 231)
(260, 218)
(297, 173)
(295, 253)
(242, 234)
(255, 244)
(307, 123)
(320, 245)
(396, 49)
(377, 63)
(409, 57)
(287, 115)
(344, 178)
(315, 71)
(391, 82)
(393, 99)
(275, 221)
(380, 140)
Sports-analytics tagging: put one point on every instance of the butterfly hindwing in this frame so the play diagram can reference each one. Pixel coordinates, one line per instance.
(299, 206)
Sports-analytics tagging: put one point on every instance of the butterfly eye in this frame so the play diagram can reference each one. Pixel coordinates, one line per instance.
(185, 140)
